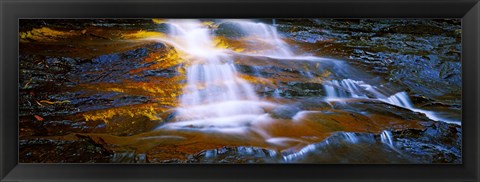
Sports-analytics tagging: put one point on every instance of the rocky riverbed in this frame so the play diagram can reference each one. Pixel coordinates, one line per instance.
(104, 91)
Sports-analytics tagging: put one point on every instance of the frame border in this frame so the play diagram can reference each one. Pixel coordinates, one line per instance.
(11, 11)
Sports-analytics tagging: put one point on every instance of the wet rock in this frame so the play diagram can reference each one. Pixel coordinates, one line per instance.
(229, 30)
(165, 73)
(296, 89)
(439, 143)
(122, 125)
(59, 90)
(418, 29)
(349, 148)
(345, 147)
(377, 107)
(28, 24)
(62, 151)
(312, 103)
(238, 155)
(114, 68)
(421, 55)
(63, 127)
(428, 76)
(128, 157)
(284, 111)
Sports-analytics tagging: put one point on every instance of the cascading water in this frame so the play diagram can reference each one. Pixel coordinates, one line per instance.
(213, 89)
(386, 138)
(400, 99)
(216, 95)
(216, 99)
(267, 34)
(343, 89)
(348, 88)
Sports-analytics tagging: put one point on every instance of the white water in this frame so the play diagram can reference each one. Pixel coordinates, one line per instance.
(386, 138)
(214, 94)
(345, 88)
(265, 33)
(215, 97)
(302, 152)
(348, 88)
(350, 137)
(400, 99)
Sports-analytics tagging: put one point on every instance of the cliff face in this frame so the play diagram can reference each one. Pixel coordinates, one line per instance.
(325, 91)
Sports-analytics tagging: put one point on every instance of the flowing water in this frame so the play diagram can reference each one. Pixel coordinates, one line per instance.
(386, 138)
(348, 88)
(214, 95)
(217, 101)
(265, 34)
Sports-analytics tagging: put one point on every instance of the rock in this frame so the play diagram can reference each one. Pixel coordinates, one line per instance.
(237, 155)
(62, 151)
(284, 111)
(229, 30)
(312, 103)
(409, 146)
(128, 157)
(421, 55)
(80, 24)
(439, 143)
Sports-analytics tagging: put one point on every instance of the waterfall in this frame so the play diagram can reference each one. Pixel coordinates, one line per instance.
(350, 137)
(343, 89)
(400, 99)
(215, 97)
(348, 88)
(213, 87)
(386, 138)
(266, 34)
(214, 94)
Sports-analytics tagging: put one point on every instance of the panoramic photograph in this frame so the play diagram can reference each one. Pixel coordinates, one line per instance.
(236, 91)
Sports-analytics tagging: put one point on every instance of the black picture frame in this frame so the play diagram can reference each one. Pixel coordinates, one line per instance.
(11, 11)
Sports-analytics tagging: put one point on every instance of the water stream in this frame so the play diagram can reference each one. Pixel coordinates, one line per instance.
(348, 88)
(216, 99)
(215, 96)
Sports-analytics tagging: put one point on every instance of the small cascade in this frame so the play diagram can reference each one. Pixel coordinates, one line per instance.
(400, 99)
(305, 150)
(340, 140)
(346, 88)
(350, 137)
(386, 138)
(266, 34)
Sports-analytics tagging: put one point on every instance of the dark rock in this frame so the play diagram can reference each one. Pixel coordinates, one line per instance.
(409, 146)
(230, 30)
(242, 154)
(284, 111)
(420, 54)
(439, 143)
(312, 103)
(299, 89)
(128, 157)
(62, 151)
(80, 24)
